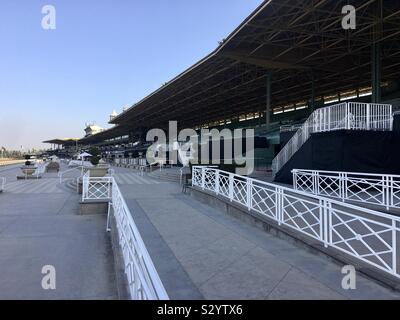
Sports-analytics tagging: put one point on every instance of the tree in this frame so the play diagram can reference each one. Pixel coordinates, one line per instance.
(95, 152)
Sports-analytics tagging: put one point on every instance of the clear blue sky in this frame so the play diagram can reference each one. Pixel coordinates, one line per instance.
(103, 55)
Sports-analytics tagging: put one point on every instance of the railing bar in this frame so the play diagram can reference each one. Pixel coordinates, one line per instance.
(377, 189)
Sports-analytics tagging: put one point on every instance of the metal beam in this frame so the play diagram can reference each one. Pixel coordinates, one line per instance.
(265, 63)
(268, 100)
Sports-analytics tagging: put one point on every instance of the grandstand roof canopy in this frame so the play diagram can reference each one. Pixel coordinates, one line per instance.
(105, 135)
(63, 141)
(299, 42)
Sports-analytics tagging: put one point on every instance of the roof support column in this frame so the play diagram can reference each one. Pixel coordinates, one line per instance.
(268, 100)
(376, 61)
(376, 73)
(312, 101)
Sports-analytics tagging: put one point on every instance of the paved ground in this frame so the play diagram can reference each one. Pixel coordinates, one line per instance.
(201, 253)
(133, 178)
(39, 226)
(198, 251)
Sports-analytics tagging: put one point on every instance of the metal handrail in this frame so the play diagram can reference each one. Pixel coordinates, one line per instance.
(368, 235)
(367, 174)
(41, 169)
(61, 174)
(346, 115)
(96, 188)
(288, 127)
(143, 279)
(377, 189)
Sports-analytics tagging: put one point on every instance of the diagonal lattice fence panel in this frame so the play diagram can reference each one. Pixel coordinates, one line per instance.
(368, 235)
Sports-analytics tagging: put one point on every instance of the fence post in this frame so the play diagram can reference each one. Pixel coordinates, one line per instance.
(384, 191)
(249, 188)
(84, 187)
(394, 247)
(322, 220)
(314, 182)
(203, 177)
(217, 182)
(347, 116)
(327, 212)
(391, 191)
(341, 186)
(387, 192)
(279, 205)
(368, 116)
(294, 179)
(231, 187)
(110, 183)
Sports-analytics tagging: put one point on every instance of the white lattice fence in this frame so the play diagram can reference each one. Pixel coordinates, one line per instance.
(143, 280)
(365, 234)
(94, 188)
(367, 238)
(378, 189)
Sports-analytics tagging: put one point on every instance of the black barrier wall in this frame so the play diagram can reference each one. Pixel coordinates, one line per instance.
(346, 150)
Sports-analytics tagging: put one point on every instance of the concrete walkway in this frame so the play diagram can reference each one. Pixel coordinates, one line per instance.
(200, 252)
(39, 226)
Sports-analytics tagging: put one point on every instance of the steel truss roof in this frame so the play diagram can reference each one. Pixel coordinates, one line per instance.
(297, 41)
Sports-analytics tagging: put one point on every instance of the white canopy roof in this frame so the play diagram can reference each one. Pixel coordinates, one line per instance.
(84, 154)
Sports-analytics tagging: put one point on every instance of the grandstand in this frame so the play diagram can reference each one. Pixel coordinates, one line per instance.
(285, 60)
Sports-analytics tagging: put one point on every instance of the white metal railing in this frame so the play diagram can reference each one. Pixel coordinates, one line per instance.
(96, 188)
(289, 127)
(368, 235)
(131, 161)
(377, 189)
(143, 279)
(346, 115)
(61, 175)
(2, 183)
(40, 170)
